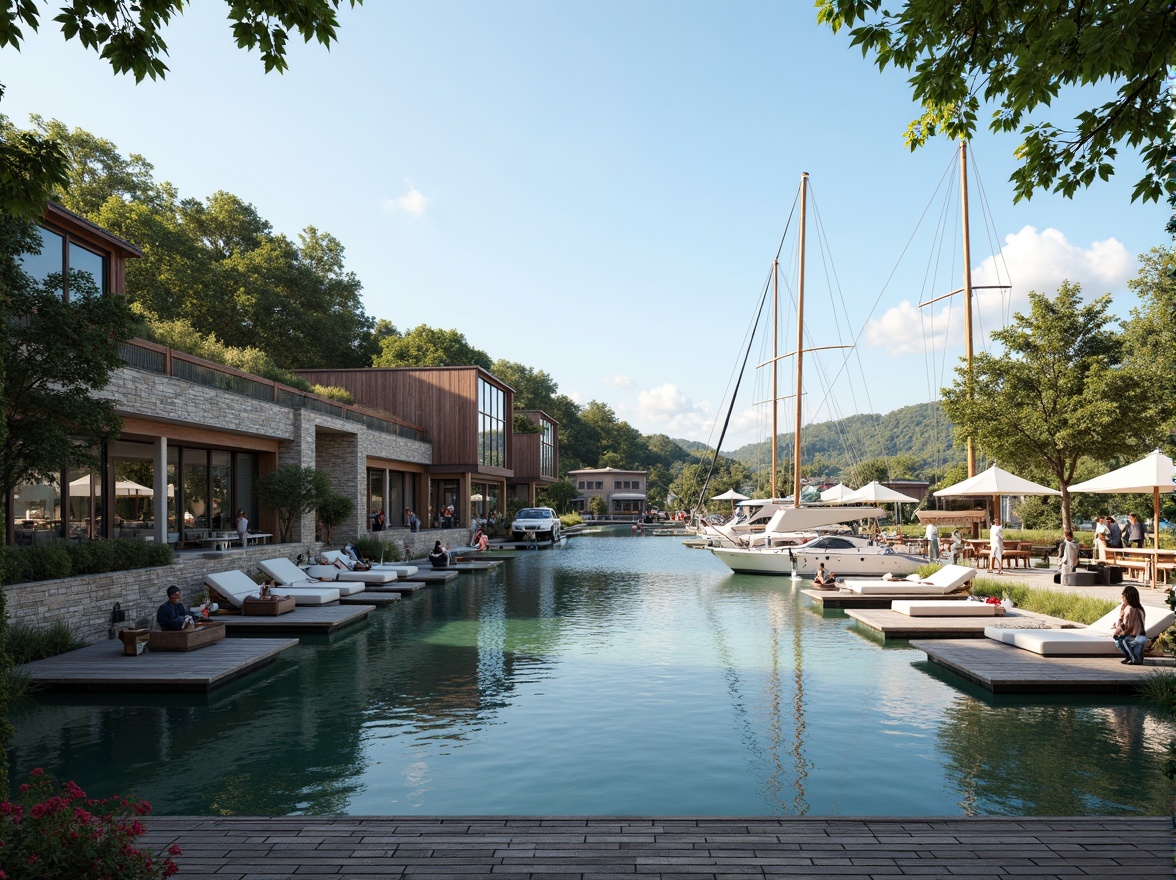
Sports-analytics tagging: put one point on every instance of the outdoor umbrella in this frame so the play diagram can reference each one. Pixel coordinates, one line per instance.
(876, 493)
(995, 482)
(837, 493)
(1151, 474)
(730, 495)
(122, 488)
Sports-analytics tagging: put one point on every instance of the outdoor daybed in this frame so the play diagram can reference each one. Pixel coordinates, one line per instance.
(290, 576)
(942, 608)
(401, 571)
(234, 587)
(949, 579)
(1090, 640)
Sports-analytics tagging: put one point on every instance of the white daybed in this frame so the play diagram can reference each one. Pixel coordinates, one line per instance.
(234, 587)
(401, 571)
(288, 574)
(949, 579)
(1090, 640)
(942, 608)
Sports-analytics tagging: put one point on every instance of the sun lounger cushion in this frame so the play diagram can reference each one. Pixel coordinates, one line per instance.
(401, 571)
(234, 587)
(948, 579)
(1090, 640)
(288, 574)
(942, 608)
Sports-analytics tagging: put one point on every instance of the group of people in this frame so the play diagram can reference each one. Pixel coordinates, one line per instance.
(1109, 534)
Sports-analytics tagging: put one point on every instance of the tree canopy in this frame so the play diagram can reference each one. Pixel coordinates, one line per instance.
(1021, 57)
(425, 346)
(1059, 392)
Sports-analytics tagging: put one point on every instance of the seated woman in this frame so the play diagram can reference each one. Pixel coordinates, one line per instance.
(824, 578)
(481, 542)
(439, 557)
(1129, 633)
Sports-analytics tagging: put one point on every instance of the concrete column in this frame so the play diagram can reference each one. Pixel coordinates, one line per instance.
(159, 489)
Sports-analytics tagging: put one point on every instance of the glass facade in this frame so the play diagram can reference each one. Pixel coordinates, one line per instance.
(66, 263)
(547, 449)
(484, 500)
(492, 417)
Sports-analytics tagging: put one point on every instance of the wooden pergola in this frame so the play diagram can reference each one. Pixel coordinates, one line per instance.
(975, 520)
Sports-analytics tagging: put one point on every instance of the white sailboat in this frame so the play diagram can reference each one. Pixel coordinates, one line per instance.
(788, 543)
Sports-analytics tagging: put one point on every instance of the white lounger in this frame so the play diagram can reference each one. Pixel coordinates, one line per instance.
(949, 579)
(1091, 640)
(401, 571)
(234, 587)
(290, 575)
(375, 574)
(942, 608)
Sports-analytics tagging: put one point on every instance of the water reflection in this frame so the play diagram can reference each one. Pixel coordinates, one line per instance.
(615, 677)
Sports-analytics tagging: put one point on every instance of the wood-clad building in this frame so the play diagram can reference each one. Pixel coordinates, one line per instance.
(536, 456)
(467, 413)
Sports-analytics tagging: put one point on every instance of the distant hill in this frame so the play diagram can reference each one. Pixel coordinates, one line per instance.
(694, 447)
(921, 431)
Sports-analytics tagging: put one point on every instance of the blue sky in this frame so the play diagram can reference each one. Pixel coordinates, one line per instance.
(597, 190)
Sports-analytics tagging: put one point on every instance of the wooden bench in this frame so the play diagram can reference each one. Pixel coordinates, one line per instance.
(200, 636)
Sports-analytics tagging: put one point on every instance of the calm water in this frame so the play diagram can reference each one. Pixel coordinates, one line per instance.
(619, 675)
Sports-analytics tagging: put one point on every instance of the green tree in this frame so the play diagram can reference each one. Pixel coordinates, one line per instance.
(425, 346)
(292, 491)
(558, 495)
(1059, 392)
(32, 168)
(533, 389)
(1150, 333)
(333, 509)
(1021, 58)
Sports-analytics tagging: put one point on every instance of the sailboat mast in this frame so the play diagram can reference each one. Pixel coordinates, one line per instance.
(967, 290)
(799, 348)
(775, 371)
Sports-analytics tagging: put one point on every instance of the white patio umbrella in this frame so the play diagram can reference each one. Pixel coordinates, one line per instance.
(730, 495)
(122, 488)
(1152, 474)
(994, 482)
(837, 493)
(876, 493)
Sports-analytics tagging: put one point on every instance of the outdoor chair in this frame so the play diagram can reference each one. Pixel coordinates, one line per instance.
(949, 579)
(1094, 639)
(290, 575)
(401, 571)
(232, 588)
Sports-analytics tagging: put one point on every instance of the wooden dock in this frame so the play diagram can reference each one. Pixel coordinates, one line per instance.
(304, 619)
(104, 667)
(893, 625)
(665, 847)
(1004, 669)
(850, 599)
(368, 597)
(429, 576)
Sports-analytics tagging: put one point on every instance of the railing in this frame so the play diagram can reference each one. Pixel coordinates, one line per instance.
(143, 355)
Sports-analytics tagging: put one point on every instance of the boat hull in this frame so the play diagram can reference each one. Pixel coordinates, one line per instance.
(804, 562)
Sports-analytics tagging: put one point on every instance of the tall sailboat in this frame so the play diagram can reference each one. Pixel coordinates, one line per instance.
(789, 544)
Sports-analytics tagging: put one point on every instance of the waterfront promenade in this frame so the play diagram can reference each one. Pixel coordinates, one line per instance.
(577, 848)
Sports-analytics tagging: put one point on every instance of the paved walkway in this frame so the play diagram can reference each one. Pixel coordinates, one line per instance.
(1042, 579)
(573, 848)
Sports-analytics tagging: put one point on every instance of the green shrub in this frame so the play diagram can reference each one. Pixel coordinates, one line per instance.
(26, 643)
(567, 520)
(373, 546)
(1055, 603)
(333, 392)
(60, 559)
(1159, 687)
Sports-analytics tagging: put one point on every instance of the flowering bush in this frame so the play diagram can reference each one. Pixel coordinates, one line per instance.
(48, 834)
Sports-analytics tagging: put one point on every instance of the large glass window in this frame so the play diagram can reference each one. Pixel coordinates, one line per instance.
(85, 266)
(220, 506)
(547, 449)
(36, 512)
(66, 263)
(85, 504)
(375, 496)
(195, 494)
(491, 424)
(133, 465)
(50, 261)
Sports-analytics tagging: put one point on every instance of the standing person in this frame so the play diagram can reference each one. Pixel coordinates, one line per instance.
(379, 521)
(411, 520)
(996, 546)
(1134, 531)
(172, 615)
(242, 528)
(1068, 558)
(1114, 533)
(957, 546)
(1129, 633)
(932, 542)
(1100, 539)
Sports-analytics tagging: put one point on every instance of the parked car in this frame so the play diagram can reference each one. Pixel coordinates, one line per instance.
(540, 521)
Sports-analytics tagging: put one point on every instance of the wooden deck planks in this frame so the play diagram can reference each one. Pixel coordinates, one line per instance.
(893, 625)
(850, 599)
(660, 848)
(104, 667)
(1004, 669)
(303, 619)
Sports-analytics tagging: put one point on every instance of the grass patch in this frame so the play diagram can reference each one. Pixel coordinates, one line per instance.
(1055, 603)
(26, 644)
(1159, 687)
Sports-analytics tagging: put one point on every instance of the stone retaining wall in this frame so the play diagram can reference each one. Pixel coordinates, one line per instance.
(84, 603)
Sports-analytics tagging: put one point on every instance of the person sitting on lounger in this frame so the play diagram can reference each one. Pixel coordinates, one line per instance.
(440, 556)
(1129, 633)
(172, 615)
(481, 542)
(824, 578)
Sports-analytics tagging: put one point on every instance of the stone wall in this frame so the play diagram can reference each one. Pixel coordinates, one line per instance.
(84, 603)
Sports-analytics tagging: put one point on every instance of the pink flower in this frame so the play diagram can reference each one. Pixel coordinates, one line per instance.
(24, 787)
(37, 772)
(175, 850)
(33, 858)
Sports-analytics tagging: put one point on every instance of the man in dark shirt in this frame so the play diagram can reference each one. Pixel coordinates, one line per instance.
(1114, 533)
(172, 615)
(1135, 533)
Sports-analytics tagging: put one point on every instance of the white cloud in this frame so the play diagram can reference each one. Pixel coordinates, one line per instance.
(618, 381)
(1029, 260)
(412, 202)
(667, 410)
